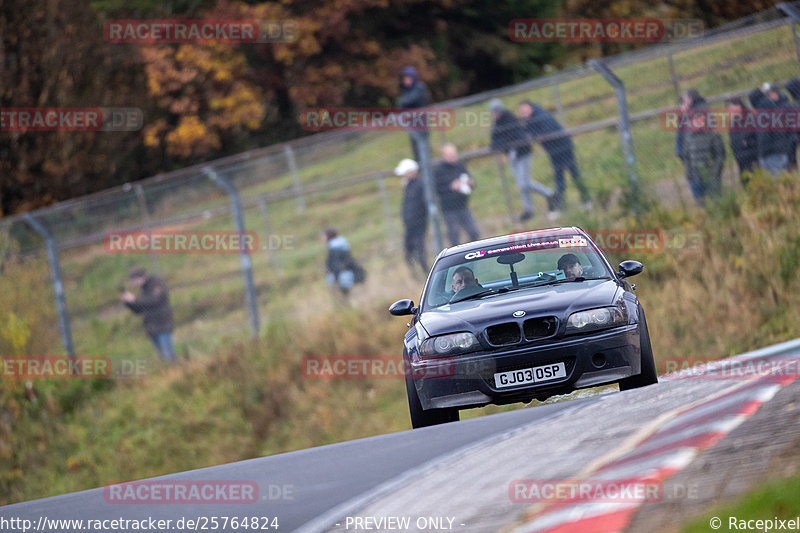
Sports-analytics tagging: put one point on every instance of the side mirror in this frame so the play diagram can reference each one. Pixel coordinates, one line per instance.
(630, 268)
(403, 307)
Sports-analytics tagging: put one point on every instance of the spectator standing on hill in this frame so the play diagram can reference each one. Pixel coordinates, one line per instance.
(705, 156)
(793, 88)
(690, 100)
(454, 186)
(774, 147)
(414, 95)
(508, 136)
(343, 270)
(153, 305)
(744, 144)
(415, 213)
(561, 150)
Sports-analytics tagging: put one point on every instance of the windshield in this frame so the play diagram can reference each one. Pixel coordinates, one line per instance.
(485, 273)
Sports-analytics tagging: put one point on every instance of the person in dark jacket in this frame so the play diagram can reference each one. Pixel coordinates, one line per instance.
(744, 144)
(414, 95)
(774, 147)
(690, 99)
(415, 213)
(153, 305)
(508, 136)
(704, 152)
(343, 270)
(561, 150)
(793, 88)
(454, 185)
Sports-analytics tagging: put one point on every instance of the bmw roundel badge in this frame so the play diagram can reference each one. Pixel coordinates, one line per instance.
(518, 314)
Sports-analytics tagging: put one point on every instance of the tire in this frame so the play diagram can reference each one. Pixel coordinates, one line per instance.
(420, 417)
(648, 375)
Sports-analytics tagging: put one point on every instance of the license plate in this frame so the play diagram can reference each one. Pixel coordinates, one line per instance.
(526, 376)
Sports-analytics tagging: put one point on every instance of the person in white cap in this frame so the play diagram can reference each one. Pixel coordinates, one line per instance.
(415, 213)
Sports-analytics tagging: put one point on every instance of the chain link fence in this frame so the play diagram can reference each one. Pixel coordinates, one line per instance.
(287, 194)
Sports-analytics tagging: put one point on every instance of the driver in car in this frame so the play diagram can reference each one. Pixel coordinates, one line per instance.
(463, 278)
(571, 266)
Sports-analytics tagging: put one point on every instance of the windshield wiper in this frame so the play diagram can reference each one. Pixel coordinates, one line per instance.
(557, 281)
(473, 295)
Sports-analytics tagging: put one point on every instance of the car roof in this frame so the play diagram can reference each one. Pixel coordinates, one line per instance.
(512, 238)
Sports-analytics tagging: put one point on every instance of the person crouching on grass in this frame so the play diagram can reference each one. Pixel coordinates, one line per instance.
(153, 305)
(343, 270)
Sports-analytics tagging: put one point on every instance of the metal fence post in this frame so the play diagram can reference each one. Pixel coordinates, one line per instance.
(58, 285)
(426, 173)
(624, 130)
(298, 188)
(147, 224)
(675, 84)
(273, 257)
(387, 210)
(247, 266)
(559, 107)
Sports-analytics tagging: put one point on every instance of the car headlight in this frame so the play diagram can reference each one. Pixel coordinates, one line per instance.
(452, 344)
(599, 318)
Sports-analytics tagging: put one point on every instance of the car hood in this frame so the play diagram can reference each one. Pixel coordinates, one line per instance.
(559, 300)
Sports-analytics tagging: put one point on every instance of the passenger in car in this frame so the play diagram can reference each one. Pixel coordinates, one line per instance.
(571, 266)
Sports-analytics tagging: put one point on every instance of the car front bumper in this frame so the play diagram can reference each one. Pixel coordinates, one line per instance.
(468, 380)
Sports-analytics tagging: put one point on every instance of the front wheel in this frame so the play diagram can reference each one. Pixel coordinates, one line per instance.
(420, 417)
(648, 374)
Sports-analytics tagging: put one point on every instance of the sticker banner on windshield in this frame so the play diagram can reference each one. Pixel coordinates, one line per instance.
(571, 242)
(525, 246)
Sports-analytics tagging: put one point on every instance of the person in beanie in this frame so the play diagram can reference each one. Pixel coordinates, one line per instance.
(690, 100)
(571, 266)
(153, 304)
(508, 136)
(774, 147)
(454, 186)
(415, 213)
(414, 95)
(744, 144)
(343, 270)
(704, 151)
(561, 150)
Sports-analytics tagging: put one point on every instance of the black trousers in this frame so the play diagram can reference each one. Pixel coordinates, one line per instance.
(414, 244)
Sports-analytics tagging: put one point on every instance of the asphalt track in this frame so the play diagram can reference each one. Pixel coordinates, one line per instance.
(306, 483)
(454, 477)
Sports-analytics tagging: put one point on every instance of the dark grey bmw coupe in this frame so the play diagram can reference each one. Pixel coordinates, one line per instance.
(524, 316)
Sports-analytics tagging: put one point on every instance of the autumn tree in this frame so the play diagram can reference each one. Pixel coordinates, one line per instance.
(58, 58)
